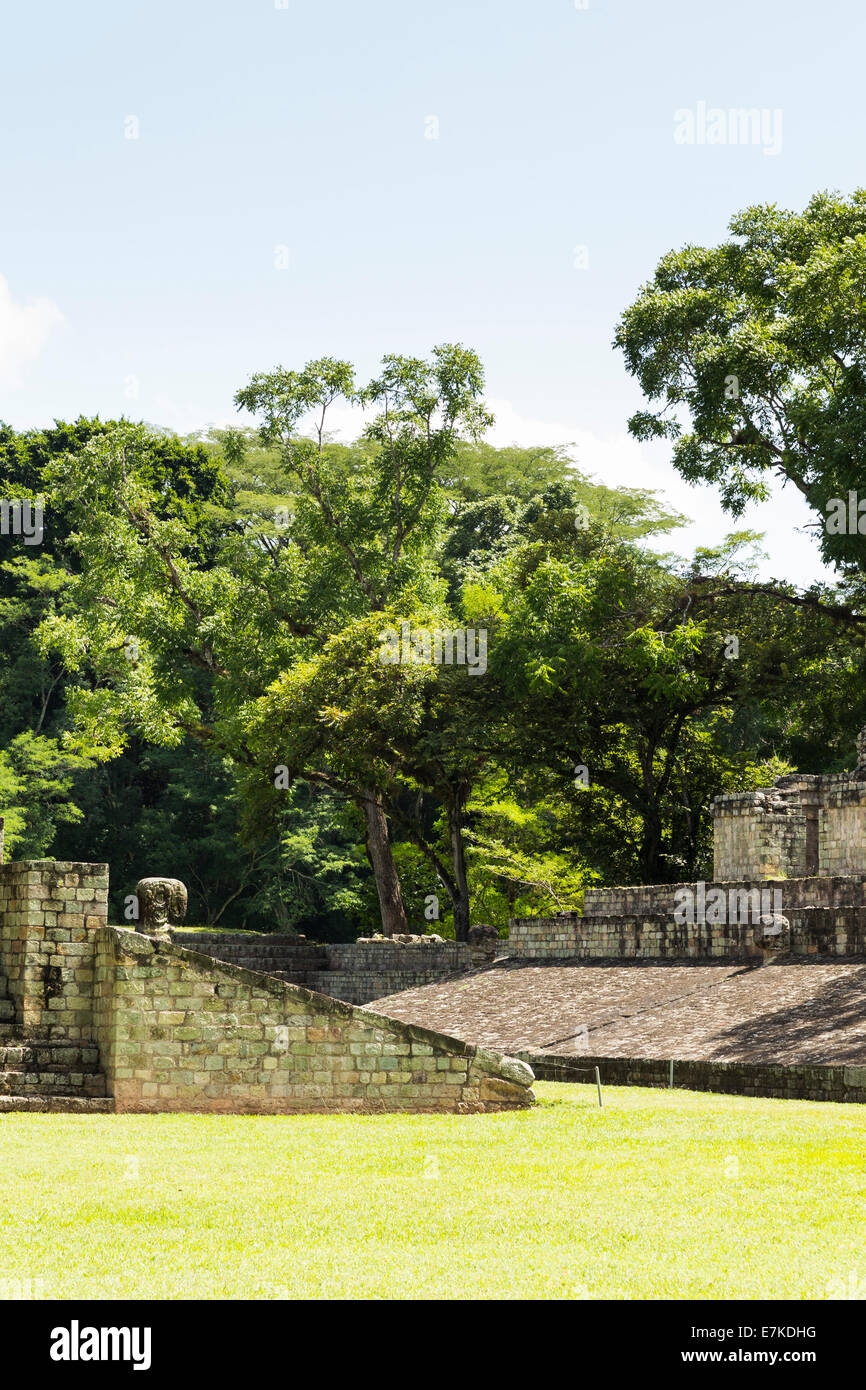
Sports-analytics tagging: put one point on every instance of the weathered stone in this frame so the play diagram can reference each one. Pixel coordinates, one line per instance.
(494, 1090)
(515, 1070)
(484, 943)
(162, 904)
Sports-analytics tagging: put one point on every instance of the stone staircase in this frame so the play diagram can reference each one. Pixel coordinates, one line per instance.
(291, 959)
(356, 972)
(47, 1076)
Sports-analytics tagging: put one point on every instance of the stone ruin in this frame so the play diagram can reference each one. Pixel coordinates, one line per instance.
(789, 877)
(95, 1018)
(805, 825)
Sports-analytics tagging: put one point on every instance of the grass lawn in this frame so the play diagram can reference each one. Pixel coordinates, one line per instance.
(660, 1195)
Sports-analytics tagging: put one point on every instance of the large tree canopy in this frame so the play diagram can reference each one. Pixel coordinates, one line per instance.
(753, 355)
(191, 667)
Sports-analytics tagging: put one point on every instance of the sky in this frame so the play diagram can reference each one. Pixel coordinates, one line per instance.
(198, 190)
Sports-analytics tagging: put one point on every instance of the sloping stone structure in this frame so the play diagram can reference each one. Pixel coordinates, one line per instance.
(180, 1031)
(94, 1017)
(792, 1029)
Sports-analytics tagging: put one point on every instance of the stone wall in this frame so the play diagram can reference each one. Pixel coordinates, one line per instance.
(750, 842)
(805, 824)
(798, 1082)
(361, 972)
(828, 931)
(49, 913)
(842, 831)
(824, 916)
(356, 972)
(178, 1030)
(788, 893)
(628, 937)
(544, 938)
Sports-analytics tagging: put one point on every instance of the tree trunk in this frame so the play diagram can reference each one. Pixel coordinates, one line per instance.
(385, 870)
(651, 859)
(460, 897)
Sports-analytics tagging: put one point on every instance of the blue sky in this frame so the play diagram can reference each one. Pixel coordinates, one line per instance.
(141, 276)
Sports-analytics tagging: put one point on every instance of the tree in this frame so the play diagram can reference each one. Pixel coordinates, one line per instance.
(210, 638)
(149, 807)
(614, 663)
(756, 352)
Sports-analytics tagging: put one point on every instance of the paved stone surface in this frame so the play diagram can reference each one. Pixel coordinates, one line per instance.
(787, 1012)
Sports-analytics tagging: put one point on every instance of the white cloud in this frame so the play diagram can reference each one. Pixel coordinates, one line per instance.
(24, 330)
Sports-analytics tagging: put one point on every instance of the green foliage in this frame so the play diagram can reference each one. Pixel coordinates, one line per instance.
(36, 793)
(203, 613)
(755, 353)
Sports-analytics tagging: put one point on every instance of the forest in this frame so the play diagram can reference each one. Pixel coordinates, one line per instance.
(192, 679)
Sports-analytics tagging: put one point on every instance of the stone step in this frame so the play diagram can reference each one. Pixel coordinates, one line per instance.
(269, 965)
(244, 940)
(268, 946)
(56, 1105)
(269, 954)
(7, 1010)
(18, 1054)
(17, 1082)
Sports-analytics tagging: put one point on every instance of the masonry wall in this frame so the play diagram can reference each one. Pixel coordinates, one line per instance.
(178, 1030)
(842, 831)
(544, 938)
(803, 825)
(834, 930)
(752, 844)
(361, 972)
(806, 1082)
(628, 937)
(49, 914)
(836, 891)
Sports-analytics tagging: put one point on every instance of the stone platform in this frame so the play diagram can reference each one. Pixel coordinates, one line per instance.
(357, 972)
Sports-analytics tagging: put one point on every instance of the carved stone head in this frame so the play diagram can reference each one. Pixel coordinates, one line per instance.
(162, 904)
(772, 934)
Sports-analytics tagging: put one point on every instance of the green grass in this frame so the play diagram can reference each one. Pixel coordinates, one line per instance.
(661, 1195)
